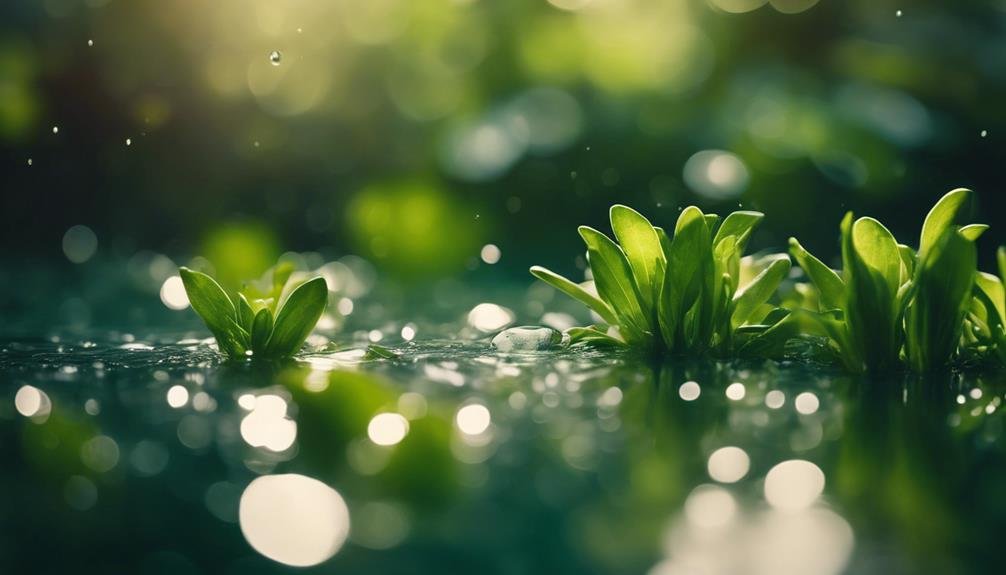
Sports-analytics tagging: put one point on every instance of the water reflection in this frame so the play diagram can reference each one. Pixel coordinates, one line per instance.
(293, 519)
(618, 464)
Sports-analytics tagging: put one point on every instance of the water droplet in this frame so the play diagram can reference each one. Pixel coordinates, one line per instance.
(527, 338)
(55, 129)
(984, 133)
(898, 13)
(275, 57)
(299, 30)
(129, 142)
(29, 161)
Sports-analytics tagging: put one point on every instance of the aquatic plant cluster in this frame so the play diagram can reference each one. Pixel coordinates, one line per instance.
(693, 292)
(891, 306)
(272, 317)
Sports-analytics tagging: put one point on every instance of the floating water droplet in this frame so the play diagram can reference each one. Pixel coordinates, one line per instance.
(129, 142)
(984, 133)
(55, 129)
(275, 57)
(90, 42)
(490, 254)
(527, 338)
(29, 161)
(898, 13)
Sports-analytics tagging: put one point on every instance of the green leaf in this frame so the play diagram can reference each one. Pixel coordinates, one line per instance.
(246, 315)
(872, 265)
(613, 278)
(934, 318)
(375, 351)
(1001, 259)
(261, 330)
(210, 301)
(739, 224)
(941, 217)
(992, 286)
(576, 292)
(908, 261)
(641, 244)
(973, 231)
(687, 253)
(297, 318)
(712, 222)
(592, 335)
(759, 290)
(828, 283)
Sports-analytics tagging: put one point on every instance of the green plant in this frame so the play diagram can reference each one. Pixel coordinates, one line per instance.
(271, 317)
(890, 306)
(986, 318)
(675, 294)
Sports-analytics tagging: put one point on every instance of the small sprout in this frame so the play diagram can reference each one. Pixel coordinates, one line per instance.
(271, 319)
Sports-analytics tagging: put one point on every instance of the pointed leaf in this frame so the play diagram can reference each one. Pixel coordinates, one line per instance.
(739, 224)
(761, 288)
(576, 292)
(297, 318)
(641, 244)
(613, 278)
(934, 319)
(261, 330)
(973, 231)
(828, 283)
(210, 301)
(941, 217)
(246, 314)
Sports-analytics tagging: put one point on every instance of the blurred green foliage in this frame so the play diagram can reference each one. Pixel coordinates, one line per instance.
(528, 113)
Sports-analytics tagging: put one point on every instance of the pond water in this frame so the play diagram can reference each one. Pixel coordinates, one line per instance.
(145, 452)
